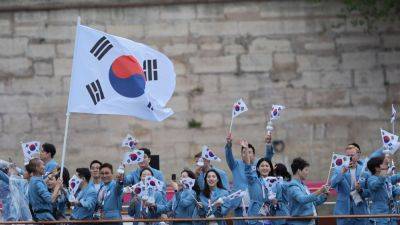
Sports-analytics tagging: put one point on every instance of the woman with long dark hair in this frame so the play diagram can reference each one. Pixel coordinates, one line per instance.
(184, 201)
(211, 200)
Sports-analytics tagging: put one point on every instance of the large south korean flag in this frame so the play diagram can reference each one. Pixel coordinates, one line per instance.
(114, 75)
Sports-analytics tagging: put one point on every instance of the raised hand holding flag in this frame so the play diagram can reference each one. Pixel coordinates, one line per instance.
(74, 184)
(130, 142)
(390, 142)
(133, 157)
(207, 153)
(238, 108)
(31, 149)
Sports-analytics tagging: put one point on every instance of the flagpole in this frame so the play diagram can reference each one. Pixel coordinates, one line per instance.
(78, 23)
(64, 144)
(330, 169)
(230, 127)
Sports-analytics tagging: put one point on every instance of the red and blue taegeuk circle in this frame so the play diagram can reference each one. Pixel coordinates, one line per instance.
(127, 76)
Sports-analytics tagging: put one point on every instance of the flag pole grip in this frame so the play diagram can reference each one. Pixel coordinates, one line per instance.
(64, 144)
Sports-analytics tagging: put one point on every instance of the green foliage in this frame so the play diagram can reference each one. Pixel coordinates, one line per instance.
(370, 12)
(194, 124)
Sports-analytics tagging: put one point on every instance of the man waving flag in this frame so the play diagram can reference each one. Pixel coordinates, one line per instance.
(114, 75)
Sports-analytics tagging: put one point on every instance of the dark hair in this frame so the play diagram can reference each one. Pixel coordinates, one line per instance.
(94, 162)
(84, 172)
(269, 163)
(198, 155)
(298, 164)
(373, 163)
(107, 165)
(207, 191)
(144, 169)
(281, 171)
(250, 146)
(49, 148)
(196, 186)
(65, 178)
(355, 145)
(33, 163)
(146, 151)
(29, 168)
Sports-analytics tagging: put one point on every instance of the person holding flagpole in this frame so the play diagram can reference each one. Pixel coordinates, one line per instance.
(40, 198)
(237, 167)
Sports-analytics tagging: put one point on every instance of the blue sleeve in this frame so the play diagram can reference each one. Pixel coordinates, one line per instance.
(187, 198)
(269, 151)
(394, 179)
(321, 199)
(164, 207)
(301, 197)
(4, 177)
(375, 183)
(200, 180)
(232, 163)
(225, 180)
(251, 174)
(119, 188)
(89, 201)
(337, 177)
(43, 192)
(129, 179)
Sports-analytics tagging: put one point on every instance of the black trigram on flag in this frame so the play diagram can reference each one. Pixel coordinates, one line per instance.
(150, 106)
(101, 48)
(150, 69)
(95, 91)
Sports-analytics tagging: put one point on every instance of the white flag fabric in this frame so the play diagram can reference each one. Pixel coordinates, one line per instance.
(270, 183)
(390, 142)
(31, 149)
(276, 111)
(114, 75)
(130, 142)
(238, 108)
(133, 157)
(188, 182)
(393, 118)
(74, 183)
(154, 184)
(207, 153)
(340, 160)
(137, 189)
(236, 194)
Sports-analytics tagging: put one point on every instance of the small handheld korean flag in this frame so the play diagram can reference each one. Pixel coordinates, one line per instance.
(129, 142)
(390, 142)
(207, 153)
(340, 161)
(276, 111)
(270, 184)
(138, 189)
(187, 182)
(238, 108)
(74, 183)
(133, 157)
(114, 75)
(31, 149)
(154, 184)
(235, 195)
